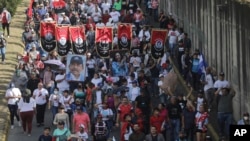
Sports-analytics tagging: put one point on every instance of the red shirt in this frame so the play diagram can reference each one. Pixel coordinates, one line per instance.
(124, 109)
(105, 18)
(157, 122)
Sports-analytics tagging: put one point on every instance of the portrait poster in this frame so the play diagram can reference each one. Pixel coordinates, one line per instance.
(124, 35)
(47, 32)
(103, 40)
(76, 68)
(78, 39)
(158, 39)
(62, 40)
(119, 65)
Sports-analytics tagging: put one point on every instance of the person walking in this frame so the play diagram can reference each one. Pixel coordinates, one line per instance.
(6, 19)
(3, 44)
(40, 95)
(27, 109)
(13, 95)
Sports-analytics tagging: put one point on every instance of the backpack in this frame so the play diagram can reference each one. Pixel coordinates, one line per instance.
(100, 131)
(4, 18)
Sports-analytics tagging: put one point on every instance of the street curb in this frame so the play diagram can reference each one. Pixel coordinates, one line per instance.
(211, 129)
(6, 129)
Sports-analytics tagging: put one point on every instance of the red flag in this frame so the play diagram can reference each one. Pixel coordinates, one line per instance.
(103, 39)
(124, 36)
(59, 6)
(78, 39)
(47, 32)
(63, 40)
(29, 13)
(158, 39)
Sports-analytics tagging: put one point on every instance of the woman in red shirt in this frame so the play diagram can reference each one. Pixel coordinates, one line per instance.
(156, 120)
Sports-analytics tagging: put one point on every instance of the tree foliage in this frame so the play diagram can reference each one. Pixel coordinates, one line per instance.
(11, 5)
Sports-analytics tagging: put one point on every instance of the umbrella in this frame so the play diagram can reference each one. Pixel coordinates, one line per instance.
(54, 64)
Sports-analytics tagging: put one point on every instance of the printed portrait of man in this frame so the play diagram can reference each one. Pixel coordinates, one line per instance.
(76, 68)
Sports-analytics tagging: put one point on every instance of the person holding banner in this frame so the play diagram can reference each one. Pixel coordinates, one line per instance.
(75, 69)
(119, 66)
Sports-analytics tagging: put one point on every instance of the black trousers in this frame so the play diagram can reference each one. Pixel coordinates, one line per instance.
(40, 111)
(7, 26)
(13, 113)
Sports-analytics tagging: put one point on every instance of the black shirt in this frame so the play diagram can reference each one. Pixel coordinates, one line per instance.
(45, 138)
(143, 102)
(174, 111)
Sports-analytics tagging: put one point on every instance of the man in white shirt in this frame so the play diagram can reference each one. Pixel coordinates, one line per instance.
(115, 15)
(13, 95)
(96, 15)
(173, 37)
(106, 6)
(40, 95)
(62, 83)
(144, 35)
(208, 87)
(135, 60)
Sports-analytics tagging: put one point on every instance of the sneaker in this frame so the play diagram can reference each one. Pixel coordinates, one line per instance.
(19, 123)
(29, 135)
(12, 127)
(3, 62)
(8, 36)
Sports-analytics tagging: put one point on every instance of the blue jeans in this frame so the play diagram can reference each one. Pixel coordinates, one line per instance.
(172, 48)
(175, 128)
(3, 51)
(224, 121)
(54, 111)
(155, 14)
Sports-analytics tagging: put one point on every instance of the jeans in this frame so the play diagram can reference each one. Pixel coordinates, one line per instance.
(13, 113)
(155, 14)
(7, 26)
(172, 48)
(54, 110)
(3, 51)
(154, 86)
(175, 128)
(224, 121)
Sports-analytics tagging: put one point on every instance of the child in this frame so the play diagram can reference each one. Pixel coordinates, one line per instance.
(46, 135)
(82, 134)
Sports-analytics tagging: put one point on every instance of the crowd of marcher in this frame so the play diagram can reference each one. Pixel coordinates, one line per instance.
(109, 99)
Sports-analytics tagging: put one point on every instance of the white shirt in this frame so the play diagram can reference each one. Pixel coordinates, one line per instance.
(23, 106)
(54, 98)
(63, 85)
(95, 81)
(146, 33)
(173, 35)
(40, 96)
(96, 16)
(160, 83)
(105, 7)
(13, 92)
(98, 97)
(100, 25)
(135, 91)
(90, 63)
(83, 136)
(66, 101)
(136, 61)
(115, 16)
(199, 103)
(105, 113)
(209, 81)
(220, 84)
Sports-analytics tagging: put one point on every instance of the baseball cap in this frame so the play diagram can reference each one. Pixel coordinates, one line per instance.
(61, 123)
(81, 126)
(222, 73)
(26, 92)
(161, 75)
(76, 59)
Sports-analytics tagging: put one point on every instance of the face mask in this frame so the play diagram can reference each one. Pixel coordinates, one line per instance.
(55, 92)
(245, 117)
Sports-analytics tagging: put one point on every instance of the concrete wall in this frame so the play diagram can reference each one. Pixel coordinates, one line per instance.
(220, 28)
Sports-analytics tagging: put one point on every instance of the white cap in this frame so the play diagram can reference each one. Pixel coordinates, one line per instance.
(161, 75)
(81, 126)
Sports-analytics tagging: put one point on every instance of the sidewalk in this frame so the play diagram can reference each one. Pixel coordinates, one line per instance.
(14, 46)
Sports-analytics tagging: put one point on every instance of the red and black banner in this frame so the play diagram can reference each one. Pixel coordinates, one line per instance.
(59, 6)
(62, 40)
(158, 39)
(47, 31)
(78, 39)
(103, 40)
(124, 36)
